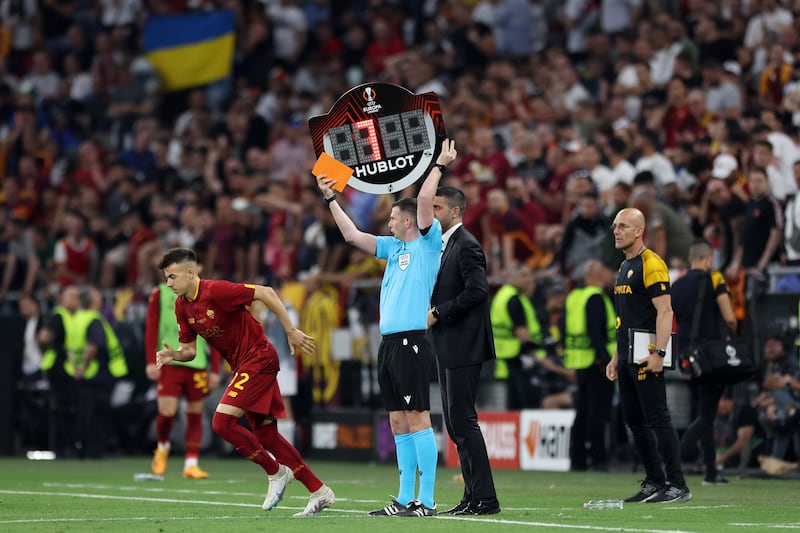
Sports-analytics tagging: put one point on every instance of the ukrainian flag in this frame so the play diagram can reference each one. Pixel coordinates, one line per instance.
(190, 50)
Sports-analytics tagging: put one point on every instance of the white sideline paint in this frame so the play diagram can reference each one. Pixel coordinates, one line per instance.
(331, 512)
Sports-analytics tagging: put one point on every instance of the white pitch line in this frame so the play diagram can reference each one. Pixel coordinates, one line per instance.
(109, 519)
(161, 490)
(128, 498)
(339, 511)
(557, 525)
(770, 526)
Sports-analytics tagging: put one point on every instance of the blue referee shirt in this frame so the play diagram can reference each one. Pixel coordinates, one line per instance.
(407, 285)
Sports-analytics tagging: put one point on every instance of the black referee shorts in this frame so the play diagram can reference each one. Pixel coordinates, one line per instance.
(405, 363)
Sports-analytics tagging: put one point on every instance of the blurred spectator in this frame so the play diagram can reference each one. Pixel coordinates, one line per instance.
(485, 162)
(20, 269)
(518, 335)
(584, 234)
(290, 31)
(734, 431)
(100, 363)
(42, 80)
(20, 18)
(791, 231)
(513, 27)
(652, 160)
(721, 216)
(384, 43)
(723, 94)
(785, 153)
(773, 78)
(512, 234)
(762, 228)
(779, 401)
(771, 18)
(75, 254)
(618, 16)
(33, 387)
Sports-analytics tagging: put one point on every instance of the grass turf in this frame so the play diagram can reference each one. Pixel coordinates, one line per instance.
(72, 495)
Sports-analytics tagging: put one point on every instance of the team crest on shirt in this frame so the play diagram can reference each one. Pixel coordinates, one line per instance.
(403, 260)
(191, 320)
(629, 274)
(210, 314)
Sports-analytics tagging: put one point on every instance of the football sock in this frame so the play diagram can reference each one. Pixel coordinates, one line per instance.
(194, 433)
(427, 456)
(286, 454)
(190, 461)
(163, 430)
(407, 463)
(245, 442)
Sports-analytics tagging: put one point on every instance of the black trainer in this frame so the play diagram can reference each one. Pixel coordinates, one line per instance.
(393, 509)
(646, 491)
(671, 494)
(417, 508)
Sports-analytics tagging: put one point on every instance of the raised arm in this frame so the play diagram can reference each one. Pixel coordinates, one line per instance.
(360, 239)
(428, 190)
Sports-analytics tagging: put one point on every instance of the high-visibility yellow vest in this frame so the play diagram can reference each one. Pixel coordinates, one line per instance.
(168, 329)
(117, 366)
(50, 355)
(506, 344)
(578, 352)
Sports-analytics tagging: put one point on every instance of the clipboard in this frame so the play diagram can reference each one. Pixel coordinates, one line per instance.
(638, 339)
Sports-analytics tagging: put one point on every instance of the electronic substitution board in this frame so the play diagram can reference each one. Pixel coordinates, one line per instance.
(388, 135)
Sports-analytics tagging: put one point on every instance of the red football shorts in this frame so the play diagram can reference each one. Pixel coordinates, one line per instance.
(176, 381)
(255, 392)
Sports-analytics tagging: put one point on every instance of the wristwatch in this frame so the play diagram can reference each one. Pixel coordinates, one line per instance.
(661, 353)
(441, 167)
(435, 312)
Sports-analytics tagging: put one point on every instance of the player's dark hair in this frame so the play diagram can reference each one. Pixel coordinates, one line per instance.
(176, 256)
(454, 197)
(407, 205)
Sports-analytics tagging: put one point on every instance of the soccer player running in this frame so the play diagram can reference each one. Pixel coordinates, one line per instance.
(217, 311)
(642, 301)
(405, 356)
(190, 379)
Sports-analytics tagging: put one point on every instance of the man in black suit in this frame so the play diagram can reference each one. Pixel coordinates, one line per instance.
(462, 335)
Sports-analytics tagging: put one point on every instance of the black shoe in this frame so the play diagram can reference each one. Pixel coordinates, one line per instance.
(481, 507)
(646, 491)
(393, 509)
(671, 494)
(417, 508)
(460, 506)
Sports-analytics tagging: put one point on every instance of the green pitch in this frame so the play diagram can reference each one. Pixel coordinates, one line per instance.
(71, 495)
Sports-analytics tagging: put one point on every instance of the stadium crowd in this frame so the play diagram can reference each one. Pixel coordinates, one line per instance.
(562, 112)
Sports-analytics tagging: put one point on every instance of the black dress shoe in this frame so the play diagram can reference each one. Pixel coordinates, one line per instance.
(456, 509)
(481, 507)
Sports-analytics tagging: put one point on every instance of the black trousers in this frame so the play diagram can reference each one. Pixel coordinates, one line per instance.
(592, 413)
(643, 396)
(459, 388)
(702, 428)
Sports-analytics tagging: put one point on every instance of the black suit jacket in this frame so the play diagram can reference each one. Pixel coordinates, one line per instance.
(463, 334)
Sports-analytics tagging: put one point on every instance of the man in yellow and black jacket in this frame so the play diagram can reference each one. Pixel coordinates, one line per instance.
(589, 342)
(642, 301)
